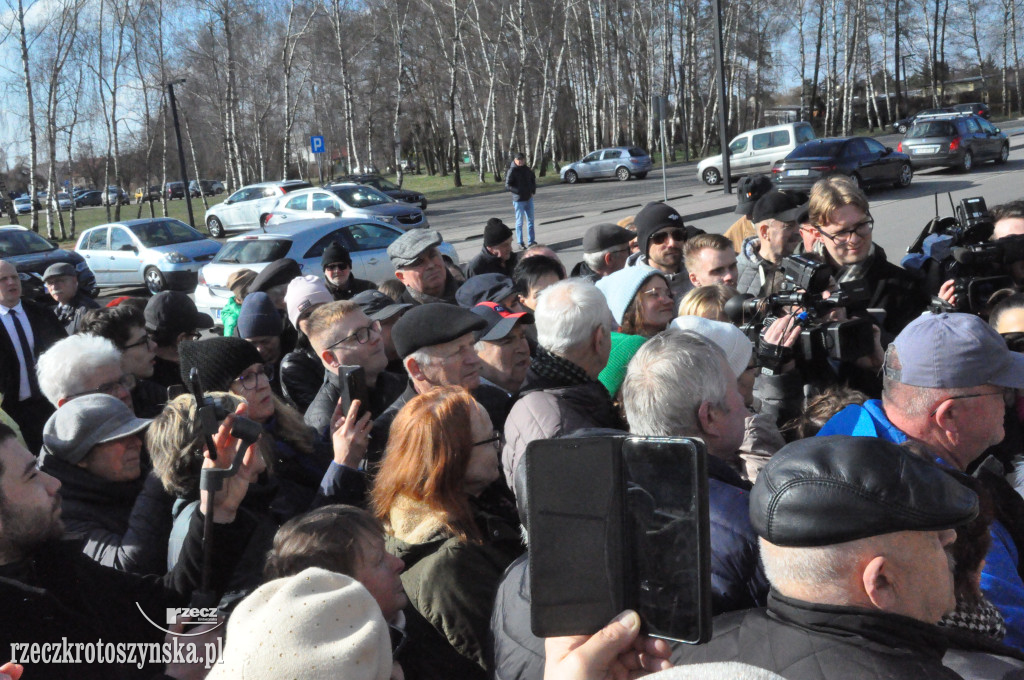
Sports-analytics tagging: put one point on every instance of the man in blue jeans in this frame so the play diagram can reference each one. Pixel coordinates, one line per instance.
(522, 183)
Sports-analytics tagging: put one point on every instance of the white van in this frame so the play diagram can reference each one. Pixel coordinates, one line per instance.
(756, 151)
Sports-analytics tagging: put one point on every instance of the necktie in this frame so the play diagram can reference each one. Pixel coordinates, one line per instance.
(26, 351)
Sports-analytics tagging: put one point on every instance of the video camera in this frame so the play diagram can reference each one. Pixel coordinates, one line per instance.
(806, 282)
(960, 249)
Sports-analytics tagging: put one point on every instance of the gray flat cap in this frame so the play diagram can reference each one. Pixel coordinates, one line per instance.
(82, 423)
(410, 245)
(59, 269)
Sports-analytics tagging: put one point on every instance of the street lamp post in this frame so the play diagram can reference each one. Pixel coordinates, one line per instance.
(181, 150)
(723, 138)
(906, 78)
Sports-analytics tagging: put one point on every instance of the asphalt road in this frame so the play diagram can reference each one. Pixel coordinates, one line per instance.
(564, 212)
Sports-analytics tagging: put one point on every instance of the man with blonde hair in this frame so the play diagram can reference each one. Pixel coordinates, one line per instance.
(710, 259)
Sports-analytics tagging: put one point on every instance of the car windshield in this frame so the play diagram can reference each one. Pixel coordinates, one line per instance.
(254, 251)
(165, 232)
(18, 242)
(816, 150)
(361, 197)
(936, 128)
(24, 200)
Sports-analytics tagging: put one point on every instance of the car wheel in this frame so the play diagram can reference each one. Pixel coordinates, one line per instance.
(571, 177)
(1004, 154)
(905, 177)
(968, 162)
(640, 175)
(155, 282)
(622, 174)
(711, 176)
(901, 128)
(215, 228)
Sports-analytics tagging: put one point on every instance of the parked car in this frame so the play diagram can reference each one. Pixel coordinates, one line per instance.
(303, 241)
(903, 124)
(243, 208)
(89, 198)
(756, 151)
(23, 205)
(78, 191)
(174, 190)
(207, 187)
(390, 188)
(31, 254)
(114, 195)
(343, 200)
(621, 162)
(864, 160)
(977, 108)
(954, 140)
(61, 201)
(161, 254)
(152, 194)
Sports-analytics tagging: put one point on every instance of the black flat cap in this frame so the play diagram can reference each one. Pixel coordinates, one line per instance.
(274, 274)
(603, 236)
(175, 311)
(378, 306)
(827, 490)
(434, 323)
(749, 190)
(484, 288)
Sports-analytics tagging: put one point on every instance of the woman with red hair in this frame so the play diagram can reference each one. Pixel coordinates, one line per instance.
(442, 454)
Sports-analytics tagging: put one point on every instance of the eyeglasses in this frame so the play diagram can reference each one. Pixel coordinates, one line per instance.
(1008, 394)
(340, 266)
(496, 440)
(677, 235)
(664, 293)
(860, 229)
(125, 382)
(144, 340)
(251, 380)
(361, 335)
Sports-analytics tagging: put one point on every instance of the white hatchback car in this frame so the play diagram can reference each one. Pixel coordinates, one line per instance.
(343, 200)
(304, 242)
(242, 209)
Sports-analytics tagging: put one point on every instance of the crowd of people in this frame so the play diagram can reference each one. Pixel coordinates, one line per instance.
(863, 439)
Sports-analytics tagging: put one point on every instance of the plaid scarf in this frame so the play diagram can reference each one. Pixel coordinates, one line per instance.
(557, 369)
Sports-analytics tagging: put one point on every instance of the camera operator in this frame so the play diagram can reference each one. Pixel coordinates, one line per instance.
(842, 222)
(805, 340)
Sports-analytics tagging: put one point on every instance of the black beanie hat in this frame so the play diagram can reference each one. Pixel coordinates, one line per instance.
(335, 252)
(654, 217)
(219, 361)
(496, 232)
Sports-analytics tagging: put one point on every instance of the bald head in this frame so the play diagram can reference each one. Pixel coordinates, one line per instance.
(10, 284)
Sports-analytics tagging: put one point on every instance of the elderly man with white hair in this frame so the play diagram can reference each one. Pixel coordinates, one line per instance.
(561, 393)
(80, 365)
(679, 384)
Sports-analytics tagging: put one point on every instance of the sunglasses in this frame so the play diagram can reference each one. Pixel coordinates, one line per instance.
(677, 235)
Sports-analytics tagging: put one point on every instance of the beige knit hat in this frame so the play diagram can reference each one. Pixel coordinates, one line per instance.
(315, 625)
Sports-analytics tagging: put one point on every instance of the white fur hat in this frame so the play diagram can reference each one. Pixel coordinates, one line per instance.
(737, 347)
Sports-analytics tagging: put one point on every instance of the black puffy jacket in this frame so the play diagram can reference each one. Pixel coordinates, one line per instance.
(302, 374)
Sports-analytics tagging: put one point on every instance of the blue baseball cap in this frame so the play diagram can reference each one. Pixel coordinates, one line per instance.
(955, 350)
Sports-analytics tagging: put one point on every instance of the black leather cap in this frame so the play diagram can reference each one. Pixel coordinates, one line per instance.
(434, 323)
(827, 490)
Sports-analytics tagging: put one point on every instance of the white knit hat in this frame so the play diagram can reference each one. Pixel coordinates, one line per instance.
(737, 347)
(619, 288)
(315, 625)
(303, 293)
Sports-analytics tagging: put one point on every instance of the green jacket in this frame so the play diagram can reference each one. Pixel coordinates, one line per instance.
(450, 582)
(229, 316)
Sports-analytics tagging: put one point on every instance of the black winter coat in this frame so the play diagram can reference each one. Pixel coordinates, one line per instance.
(521, 182)
(805, 641)
(486, 263)
(60, 593)
(318, 416)
(354, 287)
(302, 374)
(71, 316)
(124, 525)
(899, 292)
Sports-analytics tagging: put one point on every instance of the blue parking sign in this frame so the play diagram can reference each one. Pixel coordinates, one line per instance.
(316, 143)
